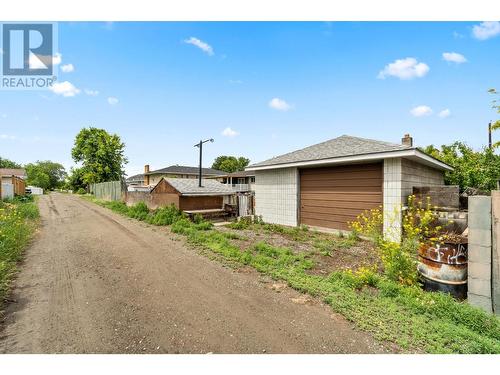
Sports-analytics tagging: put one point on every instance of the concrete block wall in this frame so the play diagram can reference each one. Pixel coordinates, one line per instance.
(277, 196)
(495, 258)
(416, 174)
(480, 253)
(392, 199)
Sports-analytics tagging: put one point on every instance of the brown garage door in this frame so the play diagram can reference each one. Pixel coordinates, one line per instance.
(331, 197)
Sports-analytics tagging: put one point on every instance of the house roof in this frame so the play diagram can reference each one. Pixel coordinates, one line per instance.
(240, 174)
(189, 186)
(347, 149)
(182, 169)
(136, 177)
(13, 172)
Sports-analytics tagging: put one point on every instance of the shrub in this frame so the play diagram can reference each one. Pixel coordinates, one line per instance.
(242, 223)
(138, 211)
(400, 259)
(81, 191)
(165, 215)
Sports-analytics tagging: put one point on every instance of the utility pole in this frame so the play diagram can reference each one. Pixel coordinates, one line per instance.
(200, 146)
(490, 143)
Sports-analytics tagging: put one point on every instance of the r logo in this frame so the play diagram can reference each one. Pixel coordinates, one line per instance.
(27, 49)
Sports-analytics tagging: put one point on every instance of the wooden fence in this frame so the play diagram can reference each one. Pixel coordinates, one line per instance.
(109, 191)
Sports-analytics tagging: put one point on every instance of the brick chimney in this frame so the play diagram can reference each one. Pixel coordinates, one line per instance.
(407, 140)
(146, 175)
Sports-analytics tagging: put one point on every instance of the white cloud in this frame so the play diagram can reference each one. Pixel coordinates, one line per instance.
(112, 100)
(68, 68)
(454, 57)
(1, 51)
(486, 30)
(407, 68)
(205, 47)
(228, 132)
(8, 137)
(91, 92)
(56, 59)
(41, 61)
(444, 113)
(65, 88)
(279, 104)
(235, 81)
(457, 35)
(421, 111)
(3, 115)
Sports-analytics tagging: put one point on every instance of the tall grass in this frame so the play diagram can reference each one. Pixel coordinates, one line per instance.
(17, 223)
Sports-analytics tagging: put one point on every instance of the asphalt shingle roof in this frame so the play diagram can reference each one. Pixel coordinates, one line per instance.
(189, 186)
(13, 172)
(182, 169)
(342, 146)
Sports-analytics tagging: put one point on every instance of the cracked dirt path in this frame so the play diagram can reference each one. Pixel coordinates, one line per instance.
(96, 282)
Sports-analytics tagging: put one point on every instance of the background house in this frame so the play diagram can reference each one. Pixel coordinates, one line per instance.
(241, 181)
(151, 178)
(13, 182)
(329, 184)
(185, 194)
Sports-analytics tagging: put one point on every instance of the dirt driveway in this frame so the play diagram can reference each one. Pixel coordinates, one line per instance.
(96, 282)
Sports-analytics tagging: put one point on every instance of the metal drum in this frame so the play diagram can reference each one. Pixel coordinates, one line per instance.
(444, 267)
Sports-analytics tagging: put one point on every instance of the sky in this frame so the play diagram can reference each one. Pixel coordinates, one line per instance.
(259, 89)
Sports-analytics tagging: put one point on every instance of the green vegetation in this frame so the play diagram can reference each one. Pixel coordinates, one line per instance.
(6, 163)
(472, 169)
(413, 319)
(101, 155)
(17, 224)
(45, 174)
(230, 163)
(495, 104)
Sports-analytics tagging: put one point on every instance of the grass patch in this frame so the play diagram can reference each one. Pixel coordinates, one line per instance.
(405, 315)
(17, 224)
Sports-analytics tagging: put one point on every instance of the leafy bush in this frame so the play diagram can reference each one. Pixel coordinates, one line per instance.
(165, 215)
(81, 191)
(242, 223)
(139, 211)
(400, 258)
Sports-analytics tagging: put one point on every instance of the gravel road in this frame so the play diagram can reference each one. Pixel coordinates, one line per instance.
(96, 282)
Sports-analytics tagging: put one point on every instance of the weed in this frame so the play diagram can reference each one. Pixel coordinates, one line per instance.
(17, 223)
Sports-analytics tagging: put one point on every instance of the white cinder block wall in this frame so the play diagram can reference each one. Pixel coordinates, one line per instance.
(276, 195)
(392, 199)
(400, 176)
(416, 174)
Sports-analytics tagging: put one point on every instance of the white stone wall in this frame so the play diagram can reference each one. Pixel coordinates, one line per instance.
(276, 196)
(392, 199)
(400, 176)
(416, 174)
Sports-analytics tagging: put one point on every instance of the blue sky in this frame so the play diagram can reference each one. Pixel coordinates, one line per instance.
(269, 87)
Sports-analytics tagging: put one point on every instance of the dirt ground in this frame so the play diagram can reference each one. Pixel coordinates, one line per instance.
(97, 282)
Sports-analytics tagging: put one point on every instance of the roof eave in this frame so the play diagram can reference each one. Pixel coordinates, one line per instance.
(412, 153)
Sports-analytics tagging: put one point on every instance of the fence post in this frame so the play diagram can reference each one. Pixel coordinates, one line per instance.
(479, 263)
(495, 265)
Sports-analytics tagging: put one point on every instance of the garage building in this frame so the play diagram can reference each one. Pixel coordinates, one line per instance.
(327, 185)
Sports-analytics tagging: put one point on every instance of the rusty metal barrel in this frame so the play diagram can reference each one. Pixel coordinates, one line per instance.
(443, 267)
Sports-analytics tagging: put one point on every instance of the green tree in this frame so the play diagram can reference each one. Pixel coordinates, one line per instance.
(75, 180)
(230, 163)
(495, 104)
(6, 163)
(45, 174)
(101, 155)
(472, 169)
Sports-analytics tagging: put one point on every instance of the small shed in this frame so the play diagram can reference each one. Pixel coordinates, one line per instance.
(185, 194)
